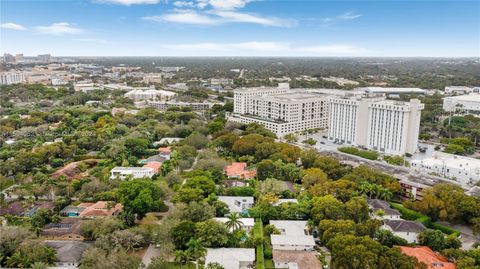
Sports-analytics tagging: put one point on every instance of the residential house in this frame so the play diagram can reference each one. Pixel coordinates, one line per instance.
(283, 201)
(92, 210)
(425, 255)
(246, 224)
(154, 165)
(231, 183)
(405, 229)
(68, 253)
(167, 141)
(239, 171)
(239, 204)
(231, 258)
(48, 205)
(296, 259)
(66, 229)
(165, 152)
(293, 235)
(381, 209)
(134, 172)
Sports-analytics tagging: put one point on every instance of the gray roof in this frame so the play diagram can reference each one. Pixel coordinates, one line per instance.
(156, 158)
(68, 251)
(377, 204)
(404, 225)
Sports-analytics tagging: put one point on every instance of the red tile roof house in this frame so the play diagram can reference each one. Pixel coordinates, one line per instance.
(425, 255)
(239, 171)
(92, 210)
(154, 165)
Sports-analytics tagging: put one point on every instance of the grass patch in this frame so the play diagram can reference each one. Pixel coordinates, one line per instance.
(413, 215)
(173, 265)
(258, 235)
(366, 154)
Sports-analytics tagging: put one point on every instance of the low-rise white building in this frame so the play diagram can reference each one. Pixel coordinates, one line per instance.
(150, 94)
(293, 235)
(231, 258)
(7, 78)
(239, 204)
(406, 229)
(246, 224)
(461, 89)
(469, 104)
(195, 106)
(459, 168)
(134, 172)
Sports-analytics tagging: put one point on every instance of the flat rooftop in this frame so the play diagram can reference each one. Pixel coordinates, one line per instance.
(294, 96)
(473, 97)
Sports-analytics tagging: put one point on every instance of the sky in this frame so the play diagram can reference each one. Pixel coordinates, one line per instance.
(306, 28)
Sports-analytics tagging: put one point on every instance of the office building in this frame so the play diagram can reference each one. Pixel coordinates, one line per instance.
(460, 90)
(153, 78)
(7, 78)
(8, 58)
(468, 104)
(280, 110)
(19, 58)
(390, 127)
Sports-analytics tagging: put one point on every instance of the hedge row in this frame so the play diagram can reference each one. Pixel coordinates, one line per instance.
(366, 154)
(258, 233)
(413, 215)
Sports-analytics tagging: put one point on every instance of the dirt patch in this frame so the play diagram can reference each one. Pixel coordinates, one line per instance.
(72, 170)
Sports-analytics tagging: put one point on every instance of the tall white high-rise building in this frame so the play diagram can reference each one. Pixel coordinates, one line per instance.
(390, 127)
(280, 110)
(7, 78)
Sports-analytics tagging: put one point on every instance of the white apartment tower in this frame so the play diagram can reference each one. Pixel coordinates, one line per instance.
(280, 110)
(390, 127)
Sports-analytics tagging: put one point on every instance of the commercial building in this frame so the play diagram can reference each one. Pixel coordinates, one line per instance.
(193, 106)
(390, 91)
(8, 78)
(459, 168)
(372, 122)
(153, 78)
(293, 235)
(134, 172)
(469, 104)
(150, 94)
(280, 110)
(44, 58)
(231, 258)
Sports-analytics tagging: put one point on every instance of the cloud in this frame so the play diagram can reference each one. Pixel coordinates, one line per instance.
(215, 17)
(266, 48)
(183, 4)
(12, 26)
(59, 28)
(228, 4)
(234, 16)
(348, 16)
(92, 40)
(184, 17)
(128, 2)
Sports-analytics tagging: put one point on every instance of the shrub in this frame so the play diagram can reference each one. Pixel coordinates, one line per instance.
(366, 154)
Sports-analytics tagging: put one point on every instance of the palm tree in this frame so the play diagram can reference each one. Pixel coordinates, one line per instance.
(234, 223)
(181, 256)
(195, 250)
(384, 194)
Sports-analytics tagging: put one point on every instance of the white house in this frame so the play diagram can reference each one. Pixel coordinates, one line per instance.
(246, 223)
(239, 204)
(231, 258)
(68, 253)
(293, 235)
(135, 172)
(405, 229)
(381, 210)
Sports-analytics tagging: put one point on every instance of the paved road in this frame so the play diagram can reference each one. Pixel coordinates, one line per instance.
(151, 253)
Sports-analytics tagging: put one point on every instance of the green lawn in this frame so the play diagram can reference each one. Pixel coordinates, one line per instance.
(173, 265)
(258, 233)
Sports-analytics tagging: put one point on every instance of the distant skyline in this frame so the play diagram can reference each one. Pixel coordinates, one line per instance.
(312, 28)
